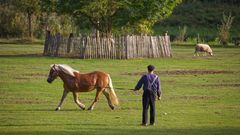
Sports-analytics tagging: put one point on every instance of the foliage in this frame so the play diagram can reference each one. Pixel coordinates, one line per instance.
(140, 16)
(29, 7)
(119, 16)
(200, 16)
(192, 40)
(48, 6)
(182, 34)
(60, 24)
(223, 29)
(199, 13)
(98, 13)
(144, 26)
(12, 23)
(106, 14)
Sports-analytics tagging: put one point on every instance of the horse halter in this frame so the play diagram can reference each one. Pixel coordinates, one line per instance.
(50, 77)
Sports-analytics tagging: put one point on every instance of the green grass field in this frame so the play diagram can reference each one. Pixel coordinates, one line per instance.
(201, 95)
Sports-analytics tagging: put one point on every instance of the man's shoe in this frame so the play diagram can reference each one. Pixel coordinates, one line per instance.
(144, 124)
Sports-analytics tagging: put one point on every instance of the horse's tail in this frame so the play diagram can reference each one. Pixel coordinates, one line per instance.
(112, 94)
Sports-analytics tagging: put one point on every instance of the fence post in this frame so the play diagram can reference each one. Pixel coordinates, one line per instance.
(167, 38)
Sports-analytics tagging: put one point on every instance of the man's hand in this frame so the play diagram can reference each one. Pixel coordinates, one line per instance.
(134, 92)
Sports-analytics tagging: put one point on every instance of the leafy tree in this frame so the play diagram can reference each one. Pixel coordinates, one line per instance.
(29, 7)
(98, 13)
(9, 20)
(59, 24)
(143, 14)
(223, 29)
(135, 15)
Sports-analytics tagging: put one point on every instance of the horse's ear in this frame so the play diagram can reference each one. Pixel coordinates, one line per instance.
(53, 65)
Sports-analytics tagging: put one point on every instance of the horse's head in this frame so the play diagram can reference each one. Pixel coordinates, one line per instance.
(53, 73)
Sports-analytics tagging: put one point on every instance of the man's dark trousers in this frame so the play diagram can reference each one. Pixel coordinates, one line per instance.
(148, 99)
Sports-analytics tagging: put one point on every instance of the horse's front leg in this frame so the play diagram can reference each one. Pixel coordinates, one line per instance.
(76, 100)
(65, 92)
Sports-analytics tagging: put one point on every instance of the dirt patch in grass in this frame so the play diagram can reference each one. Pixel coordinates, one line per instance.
(221, 85)
(194, 97)
(22, 101)
(22, 78)
(168, 81)
(37, 75)
(184, 72)
(30, 76)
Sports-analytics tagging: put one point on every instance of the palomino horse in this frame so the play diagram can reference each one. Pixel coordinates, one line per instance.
(75, 82)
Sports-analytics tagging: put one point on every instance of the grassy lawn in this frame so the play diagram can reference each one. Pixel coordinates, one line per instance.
(201, 95)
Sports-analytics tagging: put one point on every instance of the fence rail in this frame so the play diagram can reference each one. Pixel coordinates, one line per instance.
(119, 47)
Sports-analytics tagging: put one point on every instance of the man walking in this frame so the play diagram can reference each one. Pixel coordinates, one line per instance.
(151, 89)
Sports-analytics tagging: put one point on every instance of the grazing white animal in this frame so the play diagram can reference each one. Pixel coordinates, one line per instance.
(203, 48)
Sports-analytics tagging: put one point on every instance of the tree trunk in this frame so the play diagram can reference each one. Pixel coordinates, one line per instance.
(69, 44)
(47, 43)
(30, 33)
(109, 27)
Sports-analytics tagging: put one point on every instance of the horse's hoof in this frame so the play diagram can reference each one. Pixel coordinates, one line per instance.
(112, 107)
(57, 109)
(83, 108)
(90, 109)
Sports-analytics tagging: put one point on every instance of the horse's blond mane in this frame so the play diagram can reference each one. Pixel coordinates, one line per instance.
(67, 69)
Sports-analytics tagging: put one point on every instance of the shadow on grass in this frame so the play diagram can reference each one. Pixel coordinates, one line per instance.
(36, 55)
(20, 41)
(43, 110)
(191, 45)
(22, 55)
(138, 131)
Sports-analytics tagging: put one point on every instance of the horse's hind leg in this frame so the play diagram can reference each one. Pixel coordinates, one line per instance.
(106, 93)
(99, 90)
(76, 100)
(195, 53)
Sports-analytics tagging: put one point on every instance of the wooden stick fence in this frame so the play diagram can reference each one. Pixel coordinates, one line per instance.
(119, 47)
